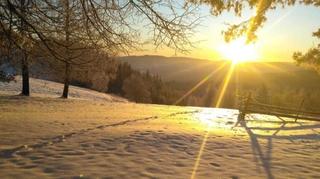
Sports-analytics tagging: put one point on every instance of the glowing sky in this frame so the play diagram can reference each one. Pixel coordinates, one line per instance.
(287, 30)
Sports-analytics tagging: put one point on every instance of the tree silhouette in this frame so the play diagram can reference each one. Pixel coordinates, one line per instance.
(249, 26)
(311, 57)
(15, 30)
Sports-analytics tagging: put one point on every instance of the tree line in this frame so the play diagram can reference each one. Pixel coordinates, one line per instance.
(141, 86)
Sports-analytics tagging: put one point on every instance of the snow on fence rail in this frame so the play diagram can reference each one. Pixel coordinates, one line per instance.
(249, 105)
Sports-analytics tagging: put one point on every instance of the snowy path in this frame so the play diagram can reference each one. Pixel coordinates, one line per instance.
(55, 138)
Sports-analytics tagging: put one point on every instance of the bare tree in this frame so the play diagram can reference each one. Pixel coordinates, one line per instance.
(68, 28)
(15, 30)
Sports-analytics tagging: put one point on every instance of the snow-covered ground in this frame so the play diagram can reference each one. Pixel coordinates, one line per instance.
(44, 88)
(44, 137)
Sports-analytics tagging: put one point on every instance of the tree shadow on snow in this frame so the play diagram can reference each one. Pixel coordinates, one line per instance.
(265, 158)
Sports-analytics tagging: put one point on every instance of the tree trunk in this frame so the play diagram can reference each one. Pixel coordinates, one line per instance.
(67, 36)
(66, 81)
(24, 60)
(25, 75)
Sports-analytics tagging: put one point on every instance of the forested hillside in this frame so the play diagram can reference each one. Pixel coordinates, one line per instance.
(279, 83)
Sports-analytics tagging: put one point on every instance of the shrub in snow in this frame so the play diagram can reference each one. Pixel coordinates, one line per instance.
(7, 73)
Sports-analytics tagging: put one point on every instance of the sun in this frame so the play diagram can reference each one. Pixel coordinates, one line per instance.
(239, 51)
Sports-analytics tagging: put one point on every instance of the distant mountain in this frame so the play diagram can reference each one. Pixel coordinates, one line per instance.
(172, 68)
(183, 69)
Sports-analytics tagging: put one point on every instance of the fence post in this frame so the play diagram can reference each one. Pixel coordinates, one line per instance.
(243, 110)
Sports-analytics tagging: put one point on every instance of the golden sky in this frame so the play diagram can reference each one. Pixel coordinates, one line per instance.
(287, 30)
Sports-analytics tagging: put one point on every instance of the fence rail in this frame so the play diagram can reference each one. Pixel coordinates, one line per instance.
(251, 106)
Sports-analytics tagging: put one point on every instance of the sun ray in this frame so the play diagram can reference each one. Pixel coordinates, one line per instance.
(253, 70)
(198, 159)
(275, 67)
(225, 85)
(199, 84)
(222, 92)
(237, 51)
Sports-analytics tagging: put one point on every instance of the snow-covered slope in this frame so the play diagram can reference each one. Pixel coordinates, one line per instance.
(54, 138)
(46, 88)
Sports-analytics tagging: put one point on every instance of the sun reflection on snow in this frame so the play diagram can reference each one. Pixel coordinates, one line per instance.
(206, 117)
(211, 119)
(217, 118)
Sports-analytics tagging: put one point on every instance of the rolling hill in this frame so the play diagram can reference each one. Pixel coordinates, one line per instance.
(191, 70)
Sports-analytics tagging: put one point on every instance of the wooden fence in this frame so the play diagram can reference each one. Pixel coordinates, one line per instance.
(249, 105)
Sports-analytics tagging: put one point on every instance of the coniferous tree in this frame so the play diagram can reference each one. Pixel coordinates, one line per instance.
(312, 57)
(136, 89)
